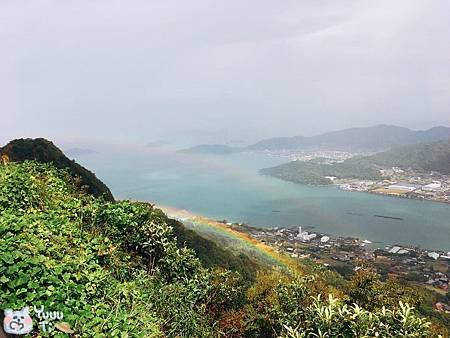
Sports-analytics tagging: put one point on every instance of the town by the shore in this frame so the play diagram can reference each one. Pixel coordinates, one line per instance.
(398, 182)
(429, 268)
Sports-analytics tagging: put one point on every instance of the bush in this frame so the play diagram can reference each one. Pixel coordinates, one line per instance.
(332, 318)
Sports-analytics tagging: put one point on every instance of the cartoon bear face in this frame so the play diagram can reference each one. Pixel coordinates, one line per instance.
(17, 322)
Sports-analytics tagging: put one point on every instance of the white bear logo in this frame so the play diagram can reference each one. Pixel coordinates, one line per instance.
(17, 322)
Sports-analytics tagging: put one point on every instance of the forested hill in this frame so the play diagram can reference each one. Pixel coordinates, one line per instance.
(426, 156)
(44, 151)
(421, 157)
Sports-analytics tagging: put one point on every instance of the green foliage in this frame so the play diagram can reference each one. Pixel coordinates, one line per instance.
(332, 318)
(276, 300)
(314, 173)
(44, 151)
(211, 255)
(48, 259)
(300, 172)
(366, 290)
(294, 307)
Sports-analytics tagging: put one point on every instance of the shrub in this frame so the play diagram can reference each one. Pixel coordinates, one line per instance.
(332, 318)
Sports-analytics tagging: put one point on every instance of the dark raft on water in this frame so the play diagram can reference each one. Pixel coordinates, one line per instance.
(390, 217)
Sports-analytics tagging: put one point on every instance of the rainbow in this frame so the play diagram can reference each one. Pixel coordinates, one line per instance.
(200, 222)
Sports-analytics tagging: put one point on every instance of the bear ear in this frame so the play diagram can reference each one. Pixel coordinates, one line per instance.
(25, 310)
(8, 312)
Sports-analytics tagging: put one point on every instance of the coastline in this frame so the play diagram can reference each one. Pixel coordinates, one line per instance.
(355, 185)
(337, 186)
(240, 229)
(241, 240)
(371, 192)
(288, 247)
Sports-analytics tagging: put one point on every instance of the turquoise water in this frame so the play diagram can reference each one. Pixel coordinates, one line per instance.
(229, 187)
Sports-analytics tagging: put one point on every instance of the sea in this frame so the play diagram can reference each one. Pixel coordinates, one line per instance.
(229, 187)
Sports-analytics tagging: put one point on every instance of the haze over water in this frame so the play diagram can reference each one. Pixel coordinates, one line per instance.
(229, 187)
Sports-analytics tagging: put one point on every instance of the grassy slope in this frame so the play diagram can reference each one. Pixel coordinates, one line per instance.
(50, 258)
(211, 255)
(44, 151)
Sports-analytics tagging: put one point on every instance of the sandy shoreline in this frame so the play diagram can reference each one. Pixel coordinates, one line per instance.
(200, 222)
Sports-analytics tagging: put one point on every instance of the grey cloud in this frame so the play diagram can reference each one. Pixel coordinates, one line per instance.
(145, 70)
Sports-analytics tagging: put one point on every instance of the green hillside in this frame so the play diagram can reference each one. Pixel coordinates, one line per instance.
(116, 269)
(44, 151)
(426, 157)
(315, 173)
(211, 255)
(421, 157)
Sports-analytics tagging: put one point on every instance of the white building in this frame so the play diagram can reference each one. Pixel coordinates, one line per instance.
(304, 235)
(394, 249)
(432, 186)
(433, 255)
(403, 186)
(324, 239)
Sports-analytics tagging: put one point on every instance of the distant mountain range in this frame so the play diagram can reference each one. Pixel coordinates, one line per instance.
(79, 151)
(44, 151)
(423, 157)
(211, 149)
(376, 138)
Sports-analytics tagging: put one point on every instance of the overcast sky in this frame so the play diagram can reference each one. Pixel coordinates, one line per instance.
(205, 71)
